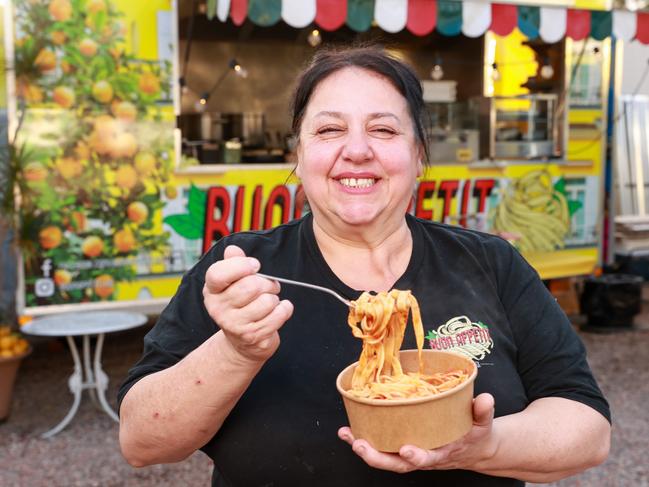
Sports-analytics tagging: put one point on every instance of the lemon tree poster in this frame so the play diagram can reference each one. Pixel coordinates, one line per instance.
(94, 123)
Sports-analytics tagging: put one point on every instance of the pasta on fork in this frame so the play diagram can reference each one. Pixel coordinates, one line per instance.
(380, 321)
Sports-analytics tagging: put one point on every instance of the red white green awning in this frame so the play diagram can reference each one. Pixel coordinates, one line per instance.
(449, 17)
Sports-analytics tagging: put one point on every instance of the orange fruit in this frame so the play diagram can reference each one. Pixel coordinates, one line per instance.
(105, 124)
(88, 47)
(58, 37)
(92, 246)
(20, 346)
(77, 221)
(60, 10)
(66, 67)
(34, 172)
(125, 111)
(81, 150)
(145, 163)
(68, 167)
(149, 83)
(137, 212)
(102, 91)
(45, 60)
(123, 145)
(63, 96)
(8, 342)
(62, 277)
(104, 285)
(104, 134)
(94, 6)
(126, 177)
(124, 240)
(50, 237)
(28, 92)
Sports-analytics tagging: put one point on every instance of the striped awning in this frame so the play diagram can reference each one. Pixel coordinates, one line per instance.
(449, 17)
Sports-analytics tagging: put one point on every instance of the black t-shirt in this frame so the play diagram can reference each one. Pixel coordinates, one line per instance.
(477, 295)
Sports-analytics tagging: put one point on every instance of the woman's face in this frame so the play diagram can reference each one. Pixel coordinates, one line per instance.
(358, 158)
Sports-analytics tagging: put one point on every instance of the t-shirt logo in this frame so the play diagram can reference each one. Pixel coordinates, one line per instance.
(460, 334)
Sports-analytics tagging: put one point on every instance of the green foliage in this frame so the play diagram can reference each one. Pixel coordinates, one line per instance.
(90, 112)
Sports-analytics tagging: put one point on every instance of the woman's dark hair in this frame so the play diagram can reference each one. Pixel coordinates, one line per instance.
(373, 58)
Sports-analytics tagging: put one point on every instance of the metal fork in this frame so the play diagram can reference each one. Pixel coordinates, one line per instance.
(311, 286)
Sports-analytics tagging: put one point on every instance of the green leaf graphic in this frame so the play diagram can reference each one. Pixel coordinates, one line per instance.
(185, 226)
(196, 203)
(573, 206)
(560, 185)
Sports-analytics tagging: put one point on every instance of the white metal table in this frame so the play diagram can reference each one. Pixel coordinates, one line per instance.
(85, 325)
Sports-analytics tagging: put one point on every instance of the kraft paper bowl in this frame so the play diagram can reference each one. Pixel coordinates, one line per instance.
(426, 422)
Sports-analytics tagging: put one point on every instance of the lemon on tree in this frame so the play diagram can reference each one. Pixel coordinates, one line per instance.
(92, 246)
(137, 212)
(102, 91)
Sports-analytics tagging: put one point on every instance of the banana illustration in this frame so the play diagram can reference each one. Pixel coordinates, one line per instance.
(535, 211)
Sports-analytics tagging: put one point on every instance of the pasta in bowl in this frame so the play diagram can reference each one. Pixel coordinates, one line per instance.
(392, 397)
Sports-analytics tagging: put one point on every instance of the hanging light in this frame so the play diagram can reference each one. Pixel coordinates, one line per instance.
(184, 89)
(314, 39)
(495, 74)
(547, 71)
(437, 73)
(239, 70)
(233, 65)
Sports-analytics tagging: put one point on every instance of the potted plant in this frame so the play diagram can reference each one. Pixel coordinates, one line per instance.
(13, 349)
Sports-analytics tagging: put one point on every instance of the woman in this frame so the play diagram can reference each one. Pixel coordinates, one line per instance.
(245, 370)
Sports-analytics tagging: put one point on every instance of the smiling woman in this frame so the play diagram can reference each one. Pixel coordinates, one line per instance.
(244, 369)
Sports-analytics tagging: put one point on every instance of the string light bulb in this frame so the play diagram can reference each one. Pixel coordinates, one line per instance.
(240, 70)
(547, 71)
(437, 73)
(314, 39)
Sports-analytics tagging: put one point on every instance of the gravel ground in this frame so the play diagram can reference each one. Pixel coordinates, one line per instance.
(86, 453)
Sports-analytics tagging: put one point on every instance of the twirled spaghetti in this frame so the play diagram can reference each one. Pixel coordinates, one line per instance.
(380, 321)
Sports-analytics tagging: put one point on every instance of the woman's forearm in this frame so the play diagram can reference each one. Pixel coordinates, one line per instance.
(167, 415)
(551, 439)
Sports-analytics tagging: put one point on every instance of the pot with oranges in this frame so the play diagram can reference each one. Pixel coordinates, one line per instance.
(13, 349)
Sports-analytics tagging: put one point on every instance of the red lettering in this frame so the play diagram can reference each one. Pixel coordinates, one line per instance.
(216, 228)
(256, 208)
(278, 196)
(447, 190)
(465, 202)
(482, 188)
(424, 192)
(238, 209)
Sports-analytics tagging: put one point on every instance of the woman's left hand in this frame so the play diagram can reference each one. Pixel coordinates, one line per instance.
(477, 445)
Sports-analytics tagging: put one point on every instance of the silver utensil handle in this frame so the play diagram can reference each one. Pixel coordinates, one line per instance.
(304, 284)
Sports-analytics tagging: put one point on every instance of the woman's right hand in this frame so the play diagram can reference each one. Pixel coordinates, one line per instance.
(246, 307)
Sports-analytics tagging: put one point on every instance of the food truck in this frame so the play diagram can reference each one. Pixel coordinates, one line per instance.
(145, 131)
